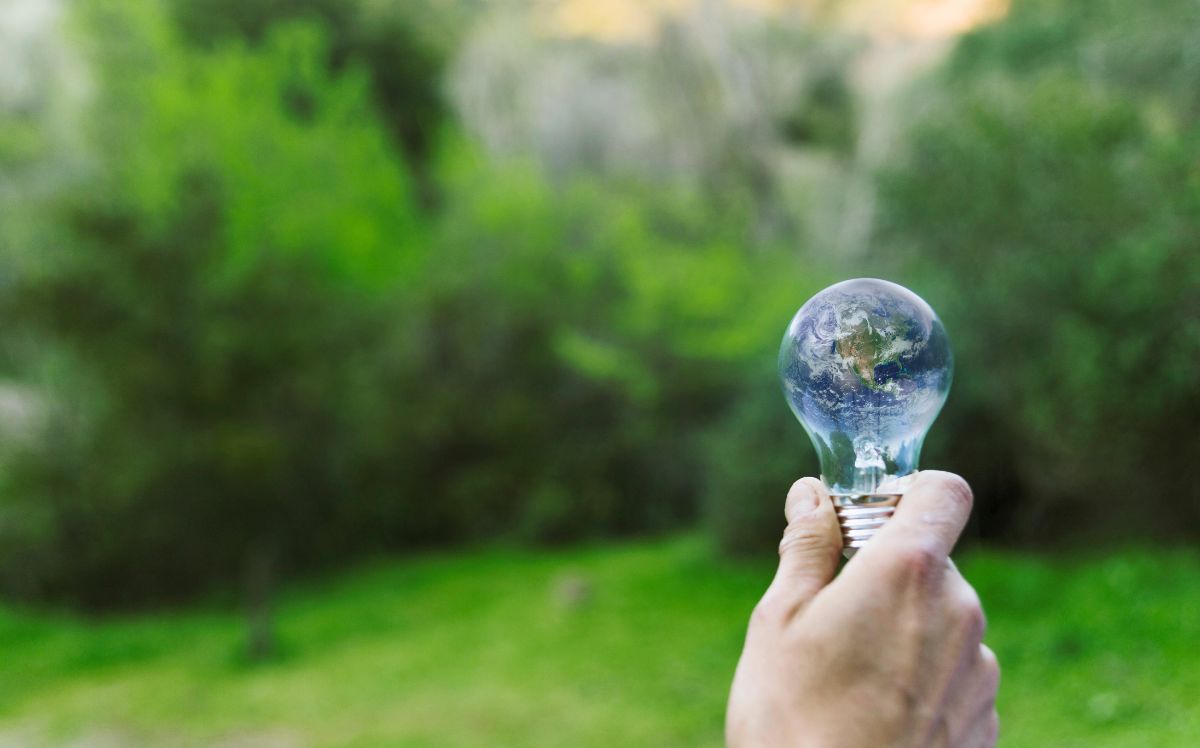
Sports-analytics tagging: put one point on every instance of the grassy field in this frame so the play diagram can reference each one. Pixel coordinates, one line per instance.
(625, 645)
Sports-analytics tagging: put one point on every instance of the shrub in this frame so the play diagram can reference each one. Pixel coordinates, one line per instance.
(1051, 209)
(577, 342)
(213, 323)
(753, 455)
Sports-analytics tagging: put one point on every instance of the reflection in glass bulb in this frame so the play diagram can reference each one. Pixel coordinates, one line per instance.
(866, 366)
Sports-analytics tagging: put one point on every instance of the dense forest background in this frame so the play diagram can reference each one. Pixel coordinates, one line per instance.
(285, 284)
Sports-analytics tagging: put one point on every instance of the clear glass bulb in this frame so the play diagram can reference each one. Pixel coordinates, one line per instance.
(866, 366)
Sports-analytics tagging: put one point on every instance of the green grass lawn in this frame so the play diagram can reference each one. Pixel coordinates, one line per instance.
(618, 645)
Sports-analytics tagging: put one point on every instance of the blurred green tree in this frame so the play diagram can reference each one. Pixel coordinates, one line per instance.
(252, 353)
(1048, 201)
(403, 46)
(256, 356)
(214, 318)
(577, 342)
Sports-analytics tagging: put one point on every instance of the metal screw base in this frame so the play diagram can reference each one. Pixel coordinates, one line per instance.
(861, 515)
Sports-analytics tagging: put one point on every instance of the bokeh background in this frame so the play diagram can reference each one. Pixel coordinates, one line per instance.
(401, 372)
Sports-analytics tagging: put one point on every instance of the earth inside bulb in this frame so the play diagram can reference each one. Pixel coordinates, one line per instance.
(866, 366)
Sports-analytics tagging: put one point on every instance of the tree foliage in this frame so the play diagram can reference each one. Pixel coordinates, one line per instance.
(1048, 196)
(250, 344)
(207, 320)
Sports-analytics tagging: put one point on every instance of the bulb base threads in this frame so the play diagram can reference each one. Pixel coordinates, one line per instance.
(861, 515)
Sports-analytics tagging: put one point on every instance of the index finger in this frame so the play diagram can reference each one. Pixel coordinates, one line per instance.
(931, 514)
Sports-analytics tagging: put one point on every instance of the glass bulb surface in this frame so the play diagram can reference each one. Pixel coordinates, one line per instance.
(866, 366)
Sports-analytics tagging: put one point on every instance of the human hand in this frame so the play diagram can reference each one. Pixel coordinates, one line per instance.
(888, 654)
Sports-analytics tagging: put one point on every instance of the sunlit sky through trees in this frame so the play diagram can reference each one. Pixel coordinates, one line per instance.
(634, 20)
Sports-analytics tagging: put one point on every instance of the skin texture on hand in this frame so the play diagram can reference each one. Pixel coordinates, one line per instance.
(888, 654)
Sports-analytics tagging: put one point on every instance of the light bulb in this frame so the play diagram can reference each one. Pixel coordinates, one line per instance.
(866, 366)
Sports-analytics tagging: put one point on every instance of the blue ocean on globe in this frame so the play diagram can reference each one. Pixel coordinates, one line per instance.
(866, 366)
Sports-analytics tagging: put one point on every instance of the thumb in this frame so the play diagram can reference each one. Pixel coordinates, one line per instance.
(811, 545)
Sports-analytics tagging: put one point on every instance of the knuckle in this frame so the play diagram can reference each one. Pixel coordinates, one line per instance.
(991, 668)
(940, 731)
(919, 562)
(970, 612)
(771, 613)
(801, 536)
